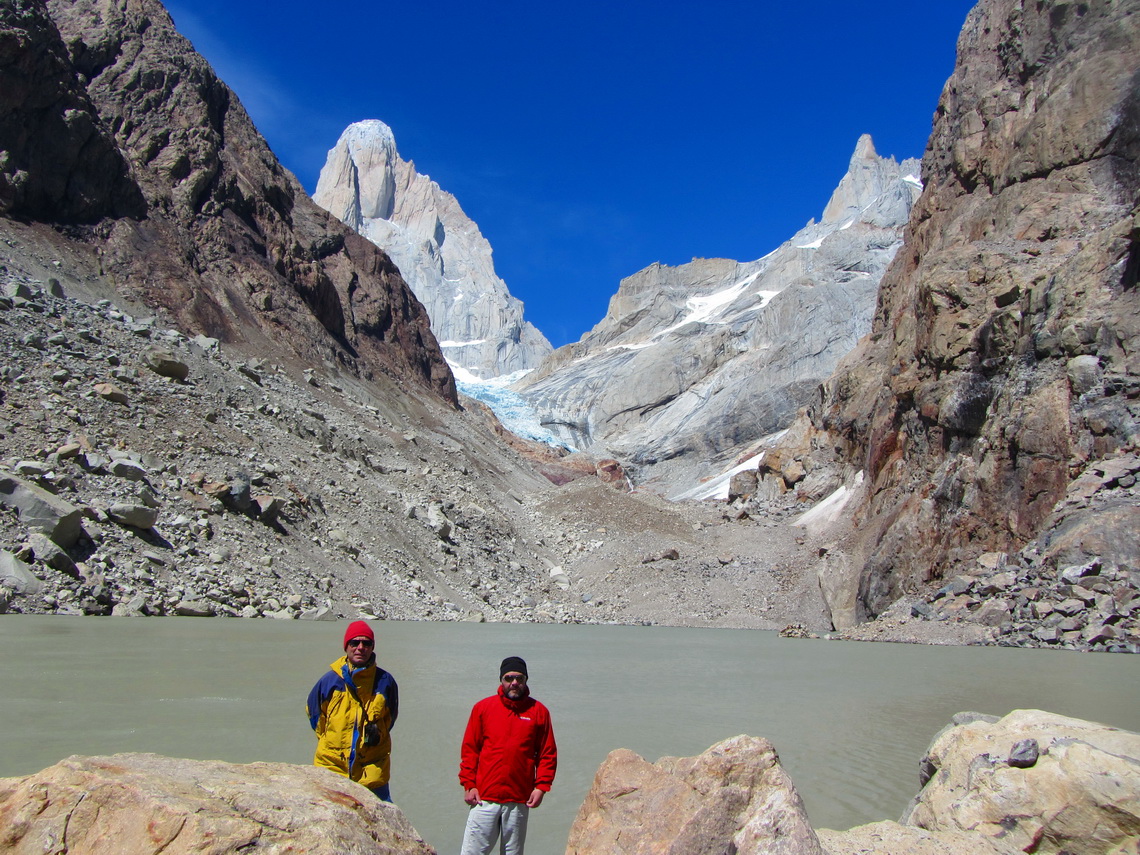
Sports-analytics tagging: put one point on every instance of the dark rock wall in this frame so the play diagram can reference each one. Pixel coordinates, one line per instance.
(1005, 351)
(112, 120)
(57, 160)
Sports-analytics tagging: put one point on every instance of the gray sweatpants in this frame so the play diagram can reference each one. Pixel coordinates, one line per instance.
(488, 821)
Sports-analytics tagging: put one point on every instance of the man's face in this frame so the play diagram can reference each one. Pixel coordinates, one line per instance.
(514, 685)
(359, 651)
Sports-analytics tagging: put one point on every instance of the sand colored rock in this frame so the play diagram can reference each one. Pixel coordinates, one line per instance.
(890, 838)
(1081, 795)
(144, 804)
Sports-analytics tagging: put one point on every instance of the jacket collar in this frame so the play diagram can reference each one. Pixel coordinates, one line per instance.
(517, 706)
(341, 666)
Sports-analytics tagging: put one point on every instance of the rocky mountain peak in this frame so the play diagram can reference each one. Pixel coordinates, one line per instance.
(437, 247)
(111, 124)
(870, 192)
(364, 185)
(693, 364)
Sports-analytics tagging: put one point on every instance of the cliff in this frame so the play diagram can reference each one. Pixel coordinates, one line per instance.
(1000, 381)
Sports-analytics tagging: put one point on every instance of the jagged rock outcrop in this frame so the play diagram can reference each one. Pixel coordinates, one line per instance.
(439, 250)
(114, 126)
(693, 364)
(144, 804)
(1004, 358)
(735, 797)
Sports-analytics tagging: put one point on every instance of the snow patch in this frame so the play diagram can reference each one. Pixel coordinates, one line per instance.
(828, 510)
(717, 487)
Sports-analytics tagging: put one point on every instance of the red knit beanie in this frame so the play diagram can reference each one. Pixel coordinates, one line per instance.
(358, 629)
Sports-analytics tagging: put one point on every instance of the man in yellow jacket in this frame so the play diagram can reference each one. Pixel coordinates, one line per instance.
(352, 708)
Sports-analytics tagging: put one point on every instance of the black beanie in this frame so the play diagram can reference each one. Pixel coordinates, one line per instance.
(512, 663)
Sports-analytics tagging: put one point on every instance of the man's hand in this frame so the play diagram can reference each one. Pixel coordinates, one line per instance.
(472, 796)
(535, 798)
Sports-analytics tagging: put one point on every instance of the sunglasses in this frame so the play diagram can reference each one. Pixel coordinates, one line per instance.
(514, 678)
(359, 642)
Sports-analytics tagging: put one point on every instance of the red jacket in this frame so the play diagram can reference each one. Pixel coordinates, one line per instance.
(508, 749)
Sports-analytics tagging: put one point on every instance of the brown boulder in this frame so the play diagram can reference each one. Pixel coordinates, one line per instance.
(144, 804)
(735, 797)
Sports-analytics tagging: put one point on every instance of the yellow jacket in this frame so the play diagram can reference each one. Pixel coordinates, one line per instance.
(340, 706)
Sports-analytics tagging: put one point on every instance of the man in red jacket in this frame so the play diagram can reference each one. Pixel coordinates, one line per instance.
(507, 763)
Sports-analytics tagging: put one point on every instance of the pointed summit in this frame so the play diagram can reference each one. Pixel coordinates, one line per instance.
(864, 193)
(439, 250)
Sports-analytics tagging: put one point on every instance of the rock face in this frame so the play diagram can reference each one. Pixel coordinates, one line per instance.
(1003, 361)
(693, 364)
(111, 124)
(58, 163)
(733, 798)
(143, 804)
(438, 249)
(1035, 781)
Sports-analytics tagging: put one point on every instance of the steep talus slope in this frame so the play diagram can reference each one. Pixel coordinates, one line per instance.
(440, 251)
(1004, 359)
(693, 364)
(115, 126)
(314, 462)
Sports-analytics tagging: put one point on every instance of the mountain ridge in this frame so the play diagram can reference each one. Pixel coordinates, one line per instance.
(694, 364)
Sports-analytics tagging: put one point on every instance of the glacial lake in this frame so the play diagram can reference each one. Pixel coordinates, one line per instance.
(850, 721)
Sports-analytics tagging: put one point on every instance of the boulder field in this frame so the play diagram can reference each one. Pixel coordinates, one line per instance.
(1032, 782)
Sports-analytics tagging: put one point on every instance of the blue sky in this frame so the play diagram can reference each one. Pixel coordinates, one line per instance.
(591, 139)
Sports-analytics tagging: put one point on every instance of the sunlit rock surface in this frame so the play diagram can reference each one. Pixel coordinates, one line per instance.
(145, 804)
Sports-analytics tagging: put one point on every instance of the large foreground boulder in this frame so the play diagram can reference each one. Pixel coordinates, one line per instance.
(143, 804)
(891, 838)
(735, 797)
(1040, 782)
(1032, 782)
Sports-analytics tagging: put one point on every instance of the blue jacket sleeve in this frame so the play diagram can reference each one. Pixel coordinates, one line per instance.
(387, 687)
(317, 698)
